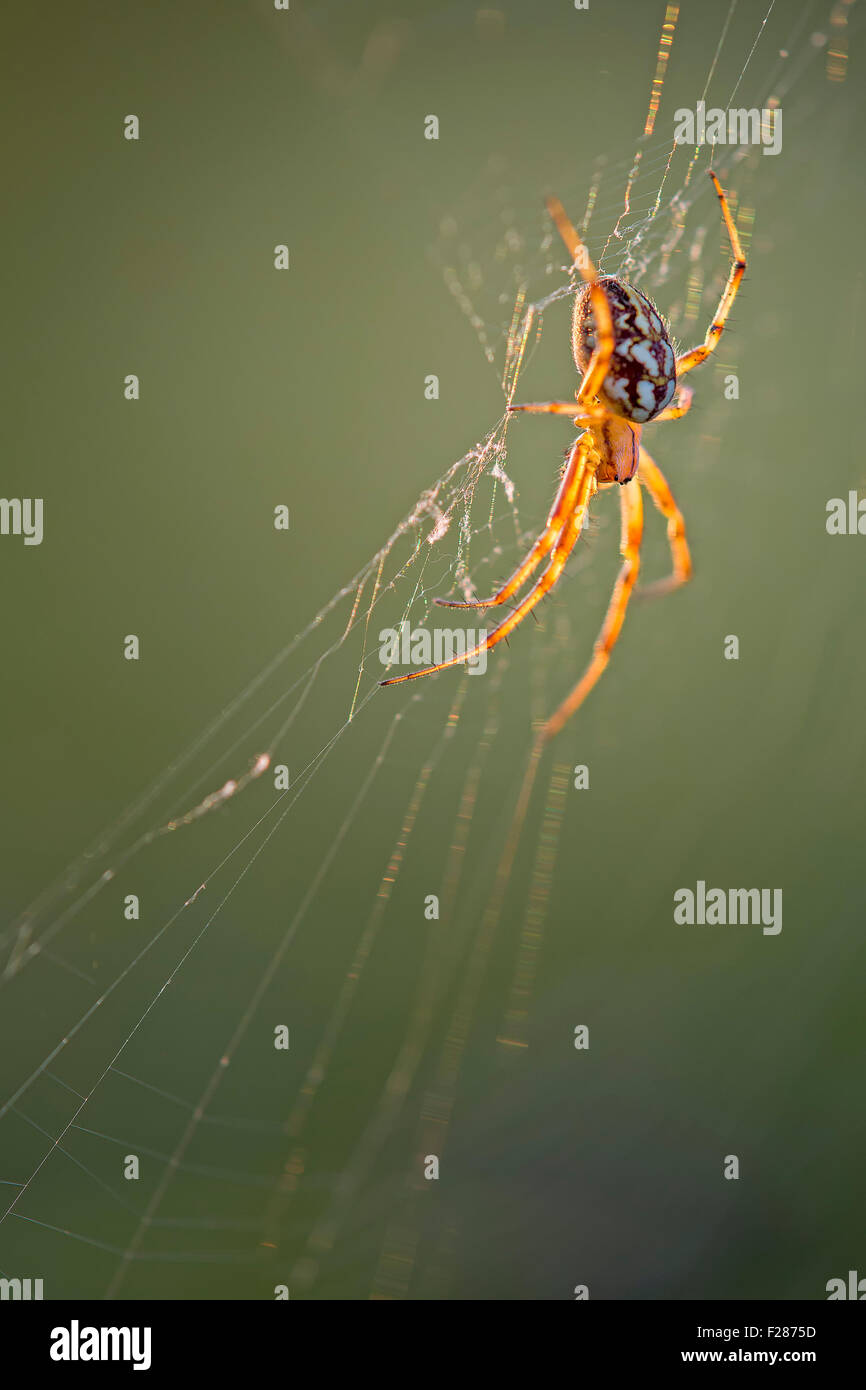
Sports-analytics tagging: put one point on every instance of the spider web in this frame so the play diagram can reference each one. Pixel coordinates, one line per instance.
(244, 1186)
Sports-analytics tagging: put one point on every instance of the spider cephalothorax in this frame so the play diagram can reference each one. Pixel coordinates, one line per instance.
(642, 376)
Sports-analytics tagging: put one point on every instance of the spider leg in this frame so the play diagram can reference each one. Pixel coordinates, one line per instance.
(581, 414)
(564, 545)
(562, 506)
(656, 485)
(697, 355)
(584, 410)
(632, 531)
(604, 339)
(676, 412)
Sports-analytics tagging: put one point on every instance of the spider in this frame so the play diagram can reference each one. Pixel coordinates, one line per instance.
(630, 377)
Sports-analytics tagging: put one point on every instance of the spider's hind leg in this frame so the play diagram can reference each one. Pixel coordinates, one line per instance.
(682, 405)
(696, 355)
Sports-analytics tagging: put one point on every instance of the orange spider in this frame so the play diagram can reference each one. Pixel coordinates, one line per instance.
(630, 377)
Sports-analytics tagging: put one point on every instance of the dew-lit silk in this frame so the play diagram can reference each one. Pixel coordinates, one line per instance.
(641, 379)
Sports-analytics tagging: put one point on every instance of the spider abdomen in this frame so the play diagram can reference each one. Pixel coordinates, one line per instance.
(641, 379)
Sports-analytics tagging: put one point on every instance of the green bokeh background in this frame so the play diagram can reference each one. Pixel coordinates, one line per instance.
(561, 1167)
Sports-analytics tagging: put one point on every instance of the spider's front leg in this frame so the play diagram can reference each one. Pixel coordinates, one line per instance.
(563, 504)
(632, 533)
(656, 485)
(565, 543)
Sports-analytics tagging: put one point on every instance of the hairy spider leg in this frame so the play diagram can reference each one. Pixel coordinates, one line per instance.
(581, 414)
(631, 506)
(604, 338)
(583, 410)
(562, 506)
(656, 485)
(676, 412)
(695, 356)
(562, 549)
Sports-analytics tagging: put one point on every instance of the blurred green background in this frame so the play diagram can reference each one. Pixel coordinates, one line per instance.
(561, 1167)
